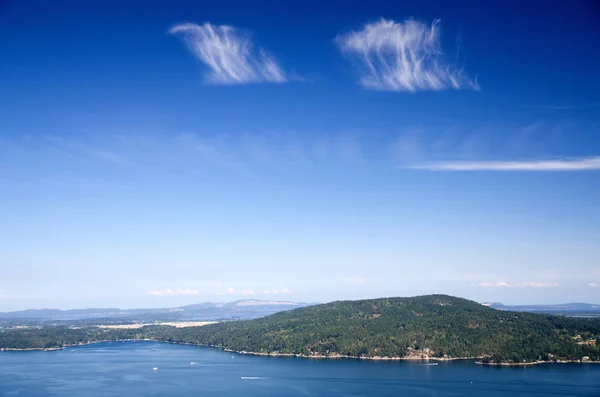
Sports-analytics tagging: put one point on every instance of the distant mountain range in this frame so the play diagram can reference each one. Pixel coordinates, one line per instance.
(241, 309)
(566, 309)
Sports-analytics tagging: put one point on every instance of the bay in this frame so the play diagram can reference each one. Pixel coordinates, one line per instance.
(161, 369)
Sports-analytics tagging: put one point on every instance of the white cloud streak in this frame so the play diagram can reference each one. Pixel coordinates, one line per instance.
(277, 291)
(531, 284)
(526, 284)
(251, 291)
(403, 56)
(168, 292)
(593, 285)
(497, 284)
(580, 164)
(229, 54)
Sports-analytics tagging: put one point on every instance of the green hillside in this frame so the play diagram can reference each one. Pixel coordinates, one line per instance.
(400, 327)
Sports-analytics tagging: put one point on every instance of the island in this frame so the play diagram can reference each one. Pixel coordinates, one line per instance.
(430, 327)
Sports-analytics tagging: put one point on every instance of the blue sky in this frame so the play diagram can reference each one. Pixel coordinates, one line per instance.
(157, 155)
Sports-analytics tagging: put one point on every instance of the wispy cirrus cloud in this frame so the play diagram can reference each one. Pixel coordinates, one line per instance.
(229, 54)
(403, 56)
(118, 160)
(168, 291)
(577, 164)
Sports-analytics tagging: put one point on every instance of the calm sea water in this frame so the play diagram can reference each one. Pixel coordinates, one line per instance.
(127, 369)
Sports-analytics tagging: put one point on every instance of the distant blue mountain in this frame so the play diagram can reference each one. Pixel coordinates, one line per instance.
(568, 309)
(243, 309)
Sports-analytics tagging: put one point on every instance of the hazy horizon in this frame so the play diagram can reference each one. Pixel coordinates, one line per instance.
(160, 156)
(192, 302)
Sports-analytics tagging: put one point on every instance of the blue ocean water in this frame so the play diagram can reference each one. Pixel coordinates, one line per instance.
(128, 369)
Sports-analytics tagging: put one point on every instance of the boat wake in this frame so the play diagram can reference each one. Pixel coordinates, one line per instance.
(252, 377)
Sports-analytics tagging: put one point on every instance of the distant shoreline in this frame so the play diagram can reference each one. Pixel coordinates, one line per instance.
(316, 356)
(377, 358)
(530, 363)
(342, 356)
(176, 324)
(11, 349)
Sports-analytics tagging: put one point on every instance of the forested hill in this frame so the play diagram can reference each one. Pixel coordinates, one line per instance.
(418, 327)
(401, 327)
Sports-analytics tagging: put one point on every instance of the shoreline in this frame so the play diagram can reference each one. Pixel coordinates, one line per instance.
(341, 356)
(305, 356)
(377, 358)
(530, 363)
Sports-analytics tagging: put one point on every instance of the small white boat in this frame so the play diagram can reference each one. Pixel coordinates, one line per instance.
(155, 369)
